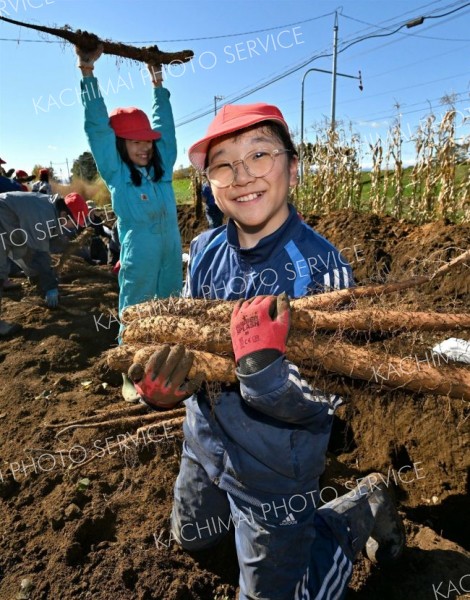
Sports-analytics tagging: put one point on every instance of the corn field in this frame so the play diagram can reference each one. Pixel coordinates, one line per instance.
(436, 187)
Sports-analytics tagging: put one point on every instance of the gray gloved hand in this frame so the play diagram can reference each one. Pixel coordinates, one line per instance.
(87, 58)
(156, 74)
(155, 68)
(52, 298)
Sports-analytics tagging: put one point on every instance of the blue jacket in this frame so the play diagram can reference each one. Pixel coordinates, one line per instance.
(9, 185)
(151, 263)
(271, 432)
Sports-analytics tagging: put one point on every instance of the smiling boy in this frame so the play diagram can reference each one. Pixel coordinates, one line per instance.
(253, 455)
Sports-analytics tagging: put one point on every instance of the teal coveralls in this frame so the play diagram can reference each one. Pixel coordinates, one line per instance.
(151, 255)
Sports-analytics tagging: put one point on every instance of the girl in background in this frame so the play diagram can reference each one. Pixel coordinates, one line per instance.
(136, 162)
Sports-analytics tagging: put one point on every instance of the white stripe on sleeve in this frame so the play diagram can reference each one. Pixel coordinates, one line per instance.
(336, 284)
(345, 277)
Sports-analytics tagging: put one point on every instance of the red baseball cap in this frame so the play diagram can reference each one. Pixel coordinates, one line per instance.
(230, 118)
(132, 124)
(3, 162)
(78, 207)
(20, 174)
(43, 171)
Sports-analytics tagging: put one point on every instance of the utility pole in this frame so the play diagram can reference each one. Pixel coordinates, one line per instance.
(302, 110)
(216, 98)
(333, 72)
(412, 23)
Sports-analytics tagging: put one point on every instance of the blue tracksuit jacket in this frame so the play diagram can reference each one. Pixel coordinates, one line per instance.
(151, 262)
(270, 433)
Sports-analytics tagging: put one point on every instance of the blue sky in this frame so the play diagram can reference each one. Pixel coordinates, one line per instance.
(238, 45)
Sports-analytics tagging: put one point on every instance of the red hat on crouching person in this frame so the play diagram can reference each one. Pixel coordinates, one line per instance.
(231, 118)
(132, 124)
(22, 176)
(78, 207)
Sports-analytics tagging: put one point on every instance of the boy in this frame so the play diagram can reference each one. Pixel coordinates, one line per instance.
(254, 455)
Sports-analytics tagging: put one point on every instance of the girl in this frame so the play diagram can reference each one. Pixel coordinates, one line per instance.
(136, 162)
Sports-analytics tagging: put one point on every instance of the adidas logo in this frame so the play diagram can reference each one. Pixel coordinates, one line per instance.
(289, 520)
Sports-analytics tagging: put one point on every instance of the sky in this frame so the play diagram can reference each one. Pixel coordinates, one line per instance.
(238, 46)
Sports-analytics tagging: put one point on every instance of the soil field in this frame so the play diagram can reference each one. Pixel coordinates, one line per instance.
(100, 530)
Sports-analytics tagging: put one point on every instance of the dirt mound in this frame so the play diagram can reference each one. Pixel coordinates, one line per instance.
(101, 530)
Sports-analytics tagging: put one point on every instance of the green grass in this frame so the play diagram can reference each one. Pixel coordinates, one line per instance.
(461, 172)
(183, 192)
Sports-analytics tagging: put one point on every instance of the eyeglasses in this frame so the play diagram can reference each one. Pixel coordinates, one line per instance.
(257, 164)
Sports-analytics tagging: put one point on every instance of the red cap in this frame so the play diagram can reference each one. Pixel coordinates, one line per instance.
(233, 117)
(43, 171)
(78, 207)
(3, 162)
(132, 124)
(20, 174)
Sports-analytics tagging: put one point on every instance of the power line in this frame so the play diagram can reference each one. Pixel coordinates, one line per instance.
(228, 35)
(348, 102)
(196, 39)
(413, 10)
(378, 35)
(390, 92)
(408, 112)
(292, 70)
(371, 76)
(447, 13)
(425, 37)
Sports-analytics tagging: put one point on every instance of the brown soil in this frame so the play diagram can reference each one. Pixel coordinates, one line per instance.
(108, 537)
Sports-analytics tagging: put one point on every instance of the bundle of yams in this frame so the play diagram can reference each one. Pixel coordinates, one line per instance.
(319, 340)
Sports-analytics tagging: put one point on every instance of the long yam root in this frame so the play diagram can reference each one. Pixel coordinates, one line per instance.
(335, 356)
(89, 41)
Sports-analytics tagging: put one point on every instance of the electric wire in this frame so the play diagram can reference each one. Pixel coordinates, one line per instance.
(292, 70)
(195, 39)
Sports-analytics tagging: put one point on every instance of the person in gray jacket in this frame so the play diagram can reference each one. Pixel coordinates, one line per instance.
(29, 222)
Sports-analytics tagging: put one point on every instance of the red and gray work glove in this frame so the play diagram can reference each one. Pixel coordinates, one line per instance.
(162, 384)
(259, 328)
(87, 58)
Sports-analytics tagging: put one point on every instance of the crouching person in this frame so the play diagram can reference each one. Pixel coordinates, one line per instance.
(252, 457)
(29, 223)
